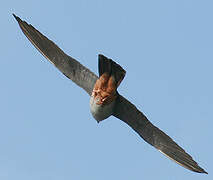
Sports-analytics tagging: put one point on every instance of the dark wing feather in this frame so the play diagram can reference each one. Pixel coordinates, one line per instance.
(128, 113)
(71, 68)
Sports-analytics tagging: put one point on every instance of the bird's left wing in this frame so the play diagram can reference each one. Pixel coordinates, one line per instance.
(70, 67)
(128, 113)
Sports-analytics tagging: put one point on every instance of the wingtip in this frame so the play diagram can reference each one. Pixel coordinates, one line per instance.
(205, 172)
(200, 170)
(16, 17)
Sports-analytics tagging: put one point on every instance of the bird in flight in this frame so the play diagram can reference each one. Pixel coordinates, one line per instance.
(104, 97)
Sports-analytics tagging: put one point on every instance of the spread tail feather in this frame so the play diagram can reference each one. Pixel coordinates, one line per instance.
(106, 65)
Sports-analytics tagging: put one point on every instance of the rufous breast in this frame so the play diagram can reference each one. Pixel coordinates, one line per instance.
(103, 97)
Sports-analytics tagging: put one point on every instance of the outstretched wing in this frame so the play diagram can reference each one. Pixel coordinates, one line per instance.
(128, 113)
(71, 68)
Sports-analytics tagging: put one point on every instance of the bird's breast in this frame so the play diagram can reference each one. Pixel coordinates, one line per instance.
(101, 111)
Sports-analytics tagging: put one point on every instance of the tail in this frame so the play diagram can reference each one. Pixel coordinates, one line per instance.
(111, 67)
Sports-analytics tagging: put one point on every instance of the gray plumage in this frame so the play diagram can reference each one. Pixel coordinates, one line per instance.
(124, 110)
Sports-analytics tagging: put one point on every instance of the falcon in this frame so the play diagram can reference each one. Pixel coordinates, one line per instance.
(104, 97)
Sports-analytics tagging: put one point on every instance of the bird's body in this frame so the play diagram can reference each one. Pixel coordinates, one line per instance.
(105, 100)
(104, 93)
(99, 111)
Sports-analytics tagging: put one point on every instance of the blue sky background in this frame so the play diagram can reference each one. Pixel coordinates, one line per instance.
(46, 129)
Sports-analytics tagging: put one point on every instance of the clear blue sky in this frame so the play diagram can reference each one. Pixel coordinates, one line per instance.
(46, 129)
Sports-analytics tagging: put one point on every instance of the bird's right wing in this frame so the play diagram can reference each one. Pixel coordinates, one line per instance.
(71, 68)
(128, 113)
